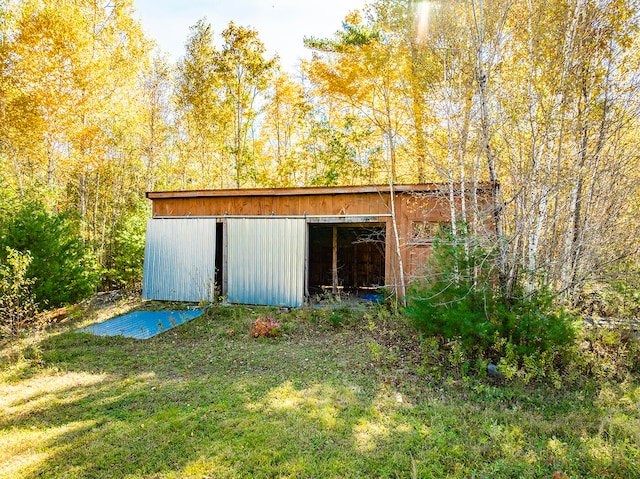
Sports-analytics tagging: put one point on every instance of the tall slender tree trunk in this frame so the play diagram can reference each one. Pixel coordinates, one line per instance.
(482, 80)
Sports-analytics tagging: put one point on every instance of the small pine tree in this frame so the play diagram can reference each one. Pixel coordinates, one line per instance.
(455, 299)
(460, 300)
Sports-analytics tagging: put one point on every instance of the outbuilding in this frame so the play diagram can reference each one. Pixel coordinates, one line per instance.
(279, 246)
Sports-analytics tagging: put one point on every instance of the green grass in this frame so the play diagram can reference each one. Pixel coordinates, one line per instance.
(329, 398)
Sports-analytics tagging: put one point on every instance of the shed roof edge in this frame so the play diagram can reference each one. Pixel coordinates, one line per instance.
(312, 190)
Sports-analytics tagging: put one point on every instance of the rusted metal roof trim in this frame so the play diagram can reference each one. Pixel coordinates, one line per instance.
(313, 190)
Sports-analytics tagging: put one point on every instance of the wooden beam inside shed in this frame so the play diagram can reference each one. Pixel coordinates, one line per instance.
(334, 262)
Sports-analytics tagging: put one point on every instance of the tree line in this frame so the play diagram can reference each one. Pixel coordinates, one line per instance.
(537, 99)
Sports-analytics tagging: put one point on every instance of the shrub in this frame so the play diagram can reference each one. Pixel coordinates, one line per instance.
(126, 259)
(265, 327)
(460, 301)
(532, 323)
(64, 267)
(618, 299)
(455, 300)
(610, 354)
(18, 306)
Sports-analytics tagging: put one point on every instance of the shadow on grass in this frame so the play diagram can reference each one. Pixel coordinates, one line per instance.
(199, 401)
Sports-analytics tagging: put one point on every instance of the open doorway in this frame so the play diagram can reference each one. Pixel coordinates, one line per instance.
(346, 258)
(219, 261)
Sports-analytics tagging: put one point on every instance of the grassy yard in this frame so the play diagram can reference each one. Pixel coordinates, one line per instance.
(207, 400)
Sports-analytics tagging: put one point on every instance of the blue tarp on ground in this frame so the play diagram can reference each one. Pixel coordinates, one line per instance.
(142, 324)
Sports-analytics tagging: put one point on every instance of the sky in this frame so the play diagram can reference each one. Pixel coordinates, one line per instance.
(281, 24)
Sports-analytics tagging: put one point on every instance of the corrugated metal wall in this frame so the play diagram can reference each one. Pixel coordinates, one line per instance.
(179, 259)
(265, 261)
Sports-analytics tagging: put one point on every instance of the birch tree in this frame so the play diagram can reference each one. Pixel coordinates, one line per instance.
(203, 115)
(244, 73)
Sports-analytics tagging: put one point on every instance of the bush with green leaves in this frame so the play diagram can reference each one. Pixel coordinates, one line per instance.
(18, 307)
(126, 256)
(610, 353)
(64, 268)
(461, 300)
(617, 298)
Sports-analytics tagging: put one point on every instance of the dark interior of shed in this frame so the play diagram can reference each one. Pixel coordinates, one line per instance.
(219, 259)
(346, 258)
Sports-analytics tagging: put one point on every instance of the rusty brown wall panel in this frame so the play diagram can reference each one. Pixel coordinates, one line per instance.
(357, 204)
(418, 257)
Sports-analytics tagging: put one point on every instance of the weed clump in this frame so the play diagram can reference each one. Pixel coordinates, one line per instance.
(607, 354)
(265, 327)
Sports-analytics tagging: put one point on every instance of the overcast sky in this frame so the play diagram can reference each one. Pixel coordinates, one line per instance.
(281, 24)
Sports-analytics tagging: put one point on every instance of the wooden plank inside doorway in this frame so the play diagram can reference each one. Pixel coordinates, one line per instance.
(334, 262)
